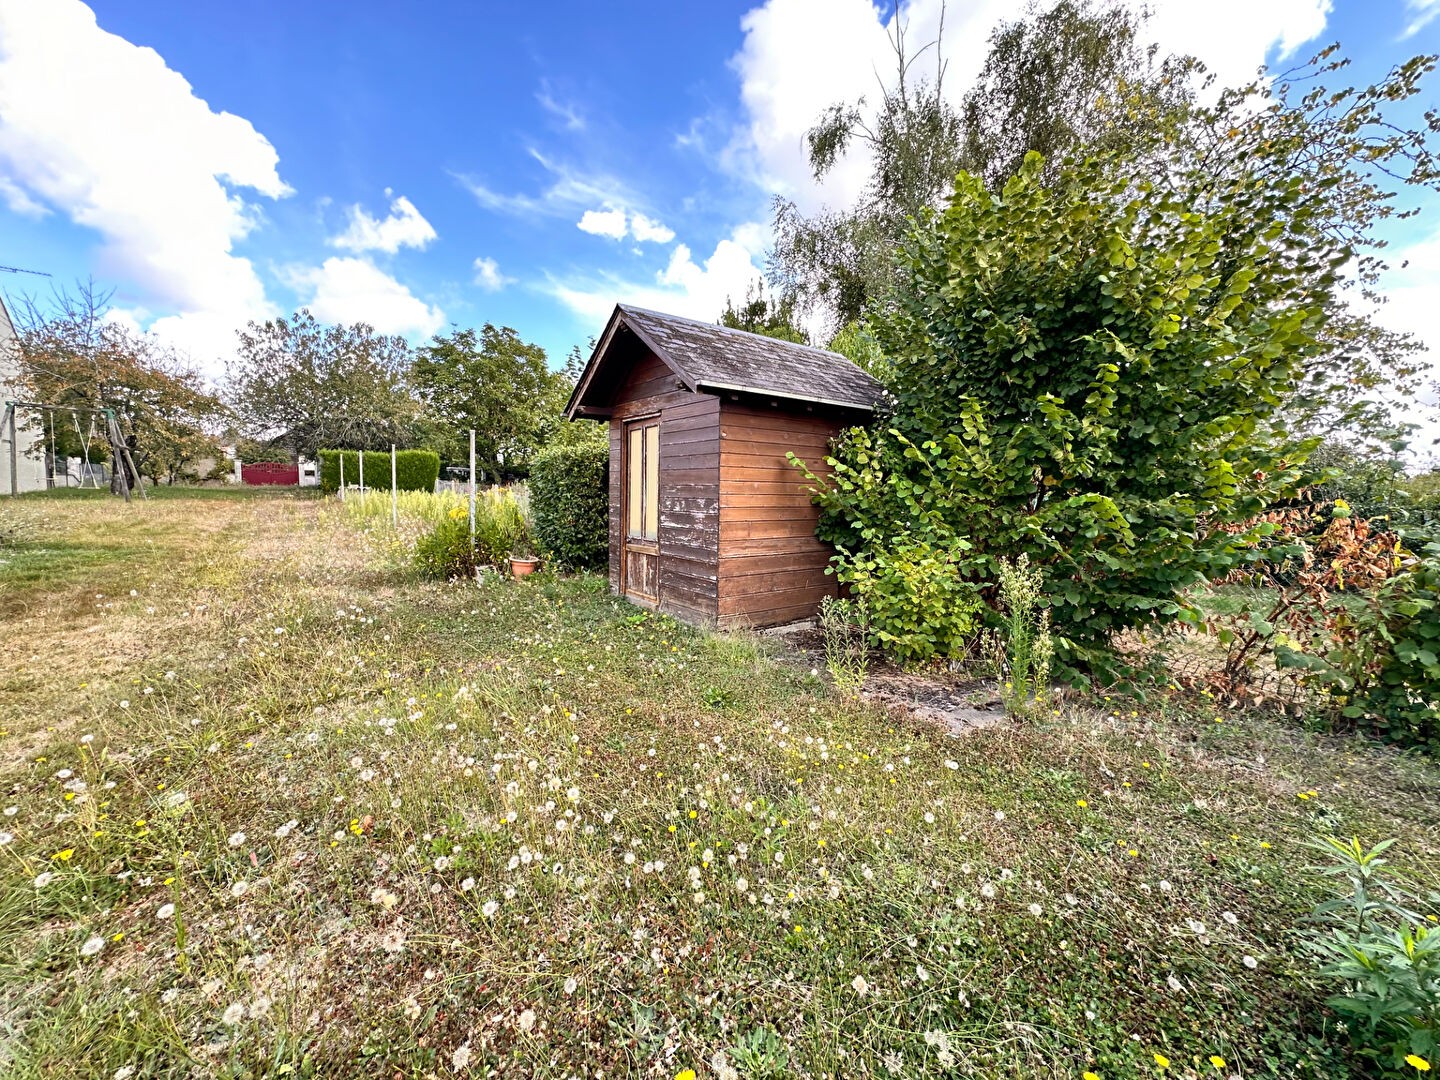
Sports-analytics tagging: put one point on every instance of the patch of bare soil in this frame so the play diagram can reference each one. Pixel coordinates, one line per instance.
(957, 703)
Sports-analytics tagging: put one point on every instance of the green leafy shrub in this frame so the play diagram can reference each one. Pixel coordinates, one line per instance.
(1371, 940)
(501, 530)
(920, 605)
(1085, 375)
(415, 470)
(1385, 663)
(447, 551)
(570, 503)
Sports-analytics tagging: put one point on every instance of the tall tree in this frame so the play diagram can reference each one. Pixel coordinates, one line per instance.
(75, 356)
(494, 382)
(836, 261)
(1064, 80)
(760, 314)
(1321, 168)
(304, 385)
(1070, 79)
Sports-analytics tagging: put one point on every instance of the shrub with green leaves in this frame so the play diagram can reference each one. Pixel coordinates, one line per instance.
(1381, 658)
(1091, 376)
(448, 551)
(570, 503)
(919, 604)
(1370, 939)
(415, 470)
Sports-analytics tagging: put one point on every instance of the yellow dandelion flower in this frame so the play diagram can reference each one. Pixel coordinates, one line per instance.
(1081, 803)
(1161, 1061)
(1217, 1061)
(685, 1074)
(64, 856)
(1089, 1076)
(1416, 1062)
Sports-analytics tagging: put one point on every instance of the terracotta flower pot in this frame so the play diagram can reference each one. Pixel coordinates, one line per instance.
(523, 567)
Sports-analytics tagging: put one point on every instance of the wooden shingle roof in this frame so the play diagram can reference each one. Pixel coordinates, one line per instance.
(717, 359)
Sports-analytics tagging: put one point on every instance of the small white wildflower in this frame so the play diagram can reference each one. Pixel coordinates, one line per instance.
(92, 946)
(234, 1014)
(527, 1020)
(6, 838)
(1036, 910)
(166, 911)
(236, 839)
(1229, 917)
(1250, 962)
(489, 908)
(460, 1059)
(571, 985)
(741, 884)
(124, 1072)
(467, 884)
(859, 985)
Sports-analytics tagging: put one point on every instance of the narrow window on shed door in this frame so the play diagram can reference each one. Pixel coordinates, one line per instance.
(642, 494)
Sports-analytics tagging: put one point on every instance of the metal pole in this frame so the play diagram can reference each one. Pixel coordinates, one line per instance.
(361, 455)
(394, 498)
(472, 486)
(341, 455)
(14, 449)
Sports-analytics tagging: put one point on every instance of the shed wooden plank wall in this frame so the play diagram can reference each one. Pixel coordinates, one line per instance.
(689, 532)
(772, 568)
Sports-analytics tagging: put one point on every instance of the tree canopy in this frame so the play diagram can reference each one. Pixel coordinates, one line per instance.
(302, 384)
(75, 356)
(495, 382)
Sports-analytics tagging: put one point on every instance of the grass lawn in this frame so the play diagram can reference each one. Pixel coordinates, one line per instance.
(273, 807)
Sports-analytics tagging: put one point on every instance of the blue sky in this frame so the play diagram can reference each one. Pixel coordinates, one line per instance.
(421, 165)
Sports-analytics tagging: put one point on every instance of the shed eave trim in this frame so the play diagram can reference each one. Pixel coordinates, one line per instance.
(759, 391)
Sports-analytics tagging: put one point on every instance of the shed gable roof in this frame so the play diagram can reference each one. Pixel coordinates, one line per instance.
(711, 358)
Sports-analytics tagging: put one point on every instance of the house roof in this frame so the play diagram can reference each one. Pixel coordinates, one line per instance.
(717, 359)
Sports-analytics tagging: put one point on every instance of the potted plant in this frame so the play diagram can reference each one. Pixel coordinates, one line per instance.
(523, 560)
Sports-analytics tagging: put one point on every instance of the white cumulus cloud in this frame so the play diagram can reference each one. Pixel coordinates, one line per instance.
(684, 286)
(1422, 14)
(404, 227)
(609, 223)
(800, 56)
(488, 276)
(351, 290)
(617, 224)
(106, 133)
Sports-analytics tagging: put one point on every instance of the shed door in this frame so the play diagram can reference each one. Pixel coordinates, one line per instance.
(640, 551)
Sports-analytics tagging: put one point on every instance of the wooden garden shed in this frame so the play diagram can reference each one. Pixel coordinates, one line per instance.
(708, 520)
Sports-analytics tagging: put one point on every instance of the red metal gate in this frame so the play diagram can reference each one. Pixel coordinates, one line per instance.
(270, 472)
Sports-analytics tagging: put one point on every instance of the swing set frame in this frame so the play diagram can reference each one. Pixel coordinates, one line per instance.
(124, 463)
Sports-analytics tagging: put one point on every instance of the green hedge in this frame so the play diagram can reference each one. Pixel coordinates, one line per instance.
(570, 503)
(415, 470)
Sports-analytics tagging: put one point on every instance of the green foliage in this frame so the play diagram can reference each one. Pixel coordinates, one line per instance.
(1070, 79)
(415, 470)
(846, 626)
(1078, 375)
(496, 383)
(317, 385)
(1384, 954)
(253, 450)
(920, 605)
(447, 551)
(570, 500)
(840, 260)
(761, 315)
(1385, 666)
(1026, 646)
(501, 529)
